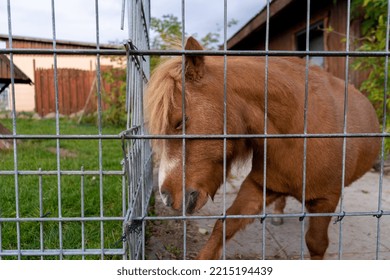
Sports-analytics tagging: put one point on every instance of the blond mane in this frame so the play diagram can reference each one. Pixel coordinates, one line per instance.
(159, 96)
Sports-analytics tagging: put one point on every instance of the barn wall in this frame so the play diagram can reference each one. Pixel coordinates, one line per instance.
(284, 27)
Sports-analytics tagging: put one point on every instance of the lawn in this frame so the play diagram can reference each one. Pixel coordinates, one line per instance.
(38, 195)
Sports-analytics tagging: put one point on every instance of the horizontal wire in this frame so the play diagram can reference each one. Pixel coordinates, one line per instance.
(375, 214)
(62, 219)
(260, 136)
(62, 172)
(64, 51)
(190, 136)
(137, 52)
(61, 136)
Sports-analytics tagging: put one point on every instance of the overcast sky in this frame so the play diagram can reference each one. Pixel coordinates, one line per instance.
(75, 19)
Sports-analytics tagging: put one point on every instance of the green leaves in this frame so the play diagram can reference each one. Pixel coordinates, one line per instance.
(373, 14)
(169, 31)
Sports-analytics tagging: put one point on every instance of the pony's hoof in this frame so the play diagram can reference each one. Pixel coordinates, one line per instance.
(277, 221)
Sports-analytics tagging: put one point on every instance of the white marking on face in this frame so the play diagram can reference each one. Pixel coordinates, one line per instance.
(166, 166)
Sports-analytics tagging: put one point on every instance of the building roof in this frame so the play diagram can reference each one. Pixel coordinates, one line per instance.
(5, 72)
(257, 22)
(40, 43)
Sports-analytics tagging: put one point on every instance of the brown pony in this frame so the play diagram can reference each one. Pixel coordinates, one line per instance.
(204, 115)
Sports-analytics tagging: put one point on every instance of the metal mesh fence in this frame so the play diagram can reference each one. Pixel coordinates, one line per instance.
(302, 216)
(95, 230)
(137, 152)
(63, 187)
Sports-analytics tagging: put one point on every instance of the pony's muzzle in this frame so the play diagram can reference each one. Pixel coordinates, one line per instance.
(191, 199)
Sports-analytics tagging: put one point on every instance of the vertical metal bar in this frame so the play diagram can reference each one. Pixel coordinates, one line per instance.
(14, 133)
(128, 62)
(130, 7)
(142, 165)
(134, 80)
(82, 213)
(130, 203)
(99, 97)
(224, 127)
(140, 122)
(40, 191)
(123, 14)
(135, 122)
(128, 86)
(144, 69)
(305, 111)
(1, 242)
(133, 148)
(384, 125)
(124, 206)
(183, 90)
(56, 98)
(345, 121)
(265, 129)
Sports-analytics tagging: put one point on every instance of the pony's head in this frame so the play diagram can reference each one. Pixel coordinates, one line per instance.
(192, 165)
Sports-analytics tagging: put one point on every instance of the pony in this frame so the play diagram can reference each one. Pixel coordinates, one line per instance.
(206, 159)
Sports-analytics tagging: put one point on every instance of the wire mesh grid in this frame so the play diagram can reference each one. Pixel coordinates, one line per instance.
(67, 208)
(136, 176)
(266, 215)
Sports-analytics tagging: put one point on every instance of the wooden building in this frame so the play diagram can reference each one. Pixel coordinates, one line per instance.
(5, 74)
(6, 79)
(75, 74)
(287, 31)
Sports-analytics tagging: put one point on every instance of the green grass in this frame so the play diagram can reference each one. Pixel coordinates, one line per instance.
(33, 155)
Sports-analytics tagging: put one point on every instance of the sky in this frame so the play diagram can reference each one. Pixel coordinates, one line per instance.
(75, 19)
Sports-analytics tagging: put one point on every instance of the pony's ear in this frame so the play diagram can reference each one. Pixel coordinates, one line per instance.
(194, 63)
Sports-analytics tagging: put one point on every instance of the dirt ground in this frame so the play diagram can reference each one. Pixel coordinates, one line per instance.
(352, 238)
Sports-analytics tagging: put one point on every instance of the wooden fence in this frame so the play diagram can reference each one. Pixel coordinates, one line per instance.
(76, 90)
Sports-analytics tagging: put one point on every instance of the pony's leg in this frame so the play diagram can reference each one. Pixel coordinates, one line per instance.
(317, 240)
(249, 201)
(280, 203)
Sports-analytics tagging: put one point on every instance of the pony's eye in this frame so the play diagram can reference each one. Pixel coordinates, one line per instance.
(179, 124)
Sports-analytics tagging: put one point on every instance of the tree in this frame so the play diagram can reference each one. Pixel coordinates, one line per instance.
(168, 34)
(373, 28)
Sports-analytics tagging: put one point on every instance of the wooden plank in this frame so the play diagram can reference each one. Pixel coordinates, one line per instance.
(37, 96)
(52, 93)
(72, 93)
(65, 91)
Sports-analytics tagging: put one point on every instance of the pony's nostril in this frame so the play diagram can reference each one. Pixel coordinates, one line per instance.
(191, 200)
(194, 194)
(166, 198)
